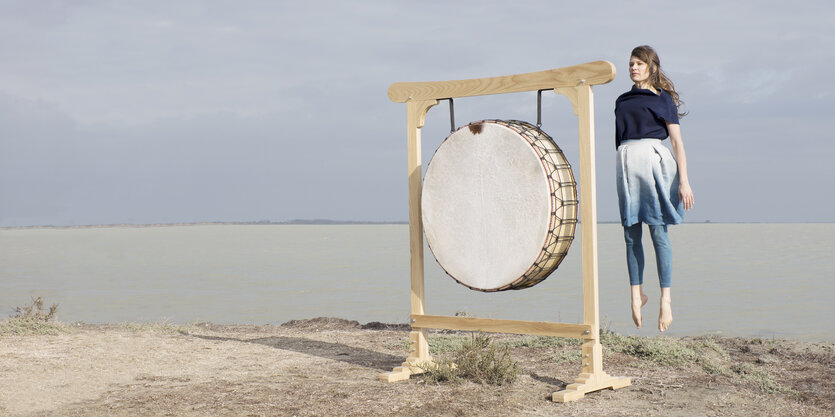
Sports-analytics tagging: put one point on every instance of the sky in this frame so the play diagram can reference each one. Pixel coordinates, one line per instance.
(147, 112)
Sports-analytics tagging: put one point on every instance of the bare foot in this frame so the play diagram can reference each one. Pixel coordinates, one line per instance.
(639, 299)
(665, 316)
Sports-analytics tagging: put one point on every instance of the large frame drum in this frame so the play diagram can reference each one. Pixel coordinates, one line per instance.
(499, 205)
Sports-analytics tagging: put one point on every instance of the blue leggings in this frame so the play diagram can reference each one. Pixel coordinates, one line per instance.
(635, 253)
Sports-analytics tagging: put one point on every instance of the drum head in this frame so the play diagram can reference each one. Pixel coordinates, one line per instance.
(487, 205)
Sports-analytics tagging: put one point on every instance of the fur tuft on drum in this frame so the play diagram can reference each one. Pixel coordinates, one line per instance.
(499, 205)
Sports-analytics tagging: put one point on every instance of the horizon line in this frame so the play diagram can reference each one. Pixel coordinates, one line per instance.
(337, 223)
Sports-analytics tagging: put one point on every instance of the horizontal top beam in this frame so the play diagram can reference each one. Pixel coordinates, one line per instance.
(592, 73)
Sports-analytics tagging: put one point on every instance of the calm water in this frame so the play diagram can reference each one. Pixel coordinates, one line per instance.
(765, 280)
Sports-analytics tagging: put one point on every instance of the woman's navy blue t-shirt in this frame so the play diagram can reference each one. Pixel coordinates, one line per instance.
(641, 114)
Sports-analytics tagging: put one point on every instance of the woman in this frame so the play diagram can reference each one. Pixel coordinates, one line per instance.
(652, 183)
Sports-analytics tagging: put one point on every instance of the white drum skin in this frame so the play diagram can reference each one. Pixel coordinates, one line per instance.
(499, 205)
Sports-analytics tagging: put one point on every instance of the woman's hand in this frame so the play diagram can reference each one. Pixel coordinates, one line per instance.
(685, 195)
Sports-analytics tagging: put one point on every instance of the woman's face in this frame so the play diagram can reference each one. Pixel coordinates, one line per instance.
(638, 71)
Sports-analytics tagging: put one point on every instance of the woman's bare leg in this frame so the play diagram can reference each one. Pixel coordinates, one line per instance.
(638, 301)
(665, 316)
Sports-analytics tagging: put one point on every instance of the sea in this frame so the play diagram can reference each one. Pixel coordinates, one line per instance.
(750, 280)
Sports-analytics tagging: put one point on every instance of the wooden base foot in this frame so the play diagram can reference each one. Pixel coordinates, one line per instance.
(586, 383)
(402, 372)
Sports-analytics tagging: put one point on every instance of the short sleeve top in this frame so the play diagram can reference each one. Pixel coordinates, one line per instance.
(640, 113)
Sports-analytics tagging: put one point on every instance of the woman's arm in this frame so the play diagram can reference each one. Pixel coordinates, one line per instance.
(684, 191)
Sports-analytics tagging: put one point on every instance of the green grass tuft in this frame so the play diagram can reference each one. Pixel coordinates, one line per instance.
(703, 352)
(477, 359)
(440, 343)
(33, 320)
(445, 343)
(25, 327)
(661, 350)
(760, 377)
(573, 355)
(440, 371)
(542, 341)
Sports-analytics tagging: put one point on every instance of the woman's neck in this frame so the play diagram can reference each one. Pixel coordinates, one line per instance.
(646, 86)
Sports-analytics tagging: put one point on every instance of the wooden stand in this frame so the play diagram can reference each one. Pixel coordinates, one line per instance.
(576, 83)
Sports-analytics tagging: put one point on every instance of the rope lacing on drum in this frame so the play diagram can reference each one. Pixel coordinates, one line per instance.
(561, 233)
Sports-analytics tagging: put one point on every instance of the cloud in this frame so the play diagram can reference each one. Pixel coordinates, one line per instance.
(187, 111)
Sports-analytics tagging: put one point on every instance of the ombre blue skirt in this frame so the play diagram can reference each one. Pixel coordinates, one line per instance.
(647, 183)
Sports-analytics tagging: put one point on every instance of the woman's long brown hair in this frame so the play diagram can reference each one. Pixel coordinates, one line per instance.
(657, 78)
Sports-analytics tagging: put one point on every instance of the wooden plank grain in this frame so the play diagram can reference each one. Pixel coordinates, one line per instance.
(501, 326)
(591, 73)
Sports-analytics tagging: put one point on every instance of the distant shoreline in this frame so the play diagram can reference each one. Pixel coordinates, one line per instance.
(323, 222)
(310, 222)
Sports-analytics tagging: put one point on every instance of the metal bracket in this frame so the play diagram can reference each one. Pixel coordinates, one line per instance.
(539, 106)
(451, 115)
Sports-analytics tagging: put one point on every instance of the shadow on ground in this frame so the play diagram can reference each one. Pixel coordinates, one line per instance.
(558, 383)
(328, 350)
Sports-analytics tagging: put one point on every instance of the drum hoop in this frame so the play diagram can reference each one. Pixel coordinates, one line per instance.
(564, 201)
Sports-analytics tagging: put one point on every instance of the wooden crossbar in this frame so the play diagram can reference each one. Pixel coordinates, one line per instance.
(539, 328)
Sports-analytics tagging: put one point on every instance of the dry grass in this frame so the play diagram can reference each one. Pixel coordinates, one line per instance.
(159, 327)
(35, 311)
(703, 352)
(477, 359)
(322, 367)
(32, 319)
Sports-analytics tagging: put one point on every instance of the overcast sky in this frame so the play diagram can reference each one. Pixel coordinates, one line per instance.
(186, 111)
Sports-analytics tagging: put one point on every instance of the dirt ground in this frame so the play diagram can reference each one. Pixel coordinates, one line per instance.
(330, 367)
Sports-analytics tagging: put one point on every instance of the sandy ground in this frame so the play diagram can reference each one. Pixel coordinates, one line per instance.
(330, 367)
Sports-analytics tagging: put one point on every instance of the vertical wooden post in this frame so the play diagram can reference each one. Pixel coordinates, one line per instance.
(592, 377)
(588, 219)
(418, 346)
